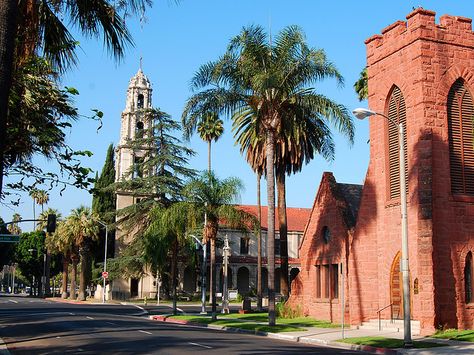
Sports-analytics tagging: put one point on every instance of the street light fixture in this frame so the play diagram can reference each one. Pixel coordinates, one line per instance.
(203, 272)
(105, 258)
(362, 113)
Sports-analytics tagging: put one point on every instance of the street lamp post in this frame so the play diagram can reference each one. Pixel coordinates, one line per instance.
(362, 113)
(225, 290)
(105, 259)
(203, 272)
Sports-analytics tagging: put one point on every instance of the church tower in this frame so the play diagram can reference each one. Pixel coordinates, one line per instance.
(420, 74)
(133, 124)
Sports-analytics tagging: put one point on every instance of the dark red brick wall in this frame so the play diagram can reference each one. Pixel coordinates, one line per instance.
(423, 59)
(328, 211)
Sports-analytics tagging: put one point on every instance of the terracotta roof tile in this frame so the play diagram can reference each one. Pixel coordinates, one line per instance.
(297, 217)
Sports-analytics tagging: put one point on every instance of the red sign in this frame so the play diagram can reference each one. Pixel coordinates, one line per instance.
(105, 274)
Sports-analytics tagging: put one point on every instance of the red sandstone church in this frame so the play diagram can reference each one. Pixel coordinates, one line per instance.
(421, 74)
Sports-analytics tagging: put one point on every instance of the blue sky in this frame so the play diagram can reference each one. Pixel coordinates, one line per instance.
(177, 38)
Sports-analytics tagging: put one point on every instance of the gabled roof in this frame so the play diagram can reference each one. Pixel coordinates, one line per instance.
(296, 217)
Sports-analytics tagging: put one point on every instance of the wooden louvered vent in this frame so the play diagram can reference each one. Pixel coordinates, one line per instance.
(461, 142)
(397, 113)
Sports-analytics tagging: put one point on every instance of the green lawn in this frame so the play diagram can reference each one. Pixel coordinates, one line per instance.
(381, 342)
(454, 334)
(259, 322)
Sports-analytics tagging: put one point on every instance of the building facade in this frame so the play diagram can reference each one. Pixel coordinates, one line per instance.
(421, 74)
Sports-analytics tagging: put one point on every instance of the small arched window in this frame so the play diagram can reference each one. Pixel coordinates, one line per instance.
(140, 101)
(139, 130)
(468, 287)
(326, 234)
(461, 139)
(396, 113)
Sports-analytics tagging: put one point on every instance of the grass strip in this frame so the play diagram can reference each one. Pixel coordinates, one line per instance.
(455, 334)
(382, 342)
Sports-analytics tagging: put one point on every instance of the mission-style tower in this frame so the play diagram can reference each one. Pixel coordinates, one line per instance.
(133, 124)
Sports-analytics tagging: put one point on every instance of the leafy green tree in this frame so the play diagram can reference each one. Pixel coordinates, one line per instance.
(32, 27)
(214, 197)
(270, 81)
(29, 256)
(361, 86)
(163, 171)
(41, 225)
(104, 205)
(38, 127)
(166, 235)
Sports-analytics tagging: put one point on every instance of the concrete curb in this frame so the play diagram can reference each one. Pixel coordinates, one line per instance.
(286, 337)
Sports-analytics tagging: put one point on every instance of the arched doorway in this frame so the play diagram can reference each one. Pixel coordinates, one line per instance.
(396, 288)
(243, 280)
(189, 280)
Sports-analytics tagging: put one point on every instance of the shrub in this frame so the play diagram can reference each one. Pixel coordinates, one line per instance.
(283, 310)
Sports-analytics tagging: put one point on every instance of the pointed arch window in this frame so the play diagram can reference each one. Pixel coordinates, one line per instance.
(461, 139)
(396, 113)
(468, 287)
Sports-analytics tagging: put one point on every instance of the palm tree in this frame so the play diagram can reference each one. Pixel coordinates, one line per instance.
(361, 86)
(34, 193)
(14, 228)
(214, 197)
(30, 27)
(210, 128)
(272, 83)
(167, 233)
(42, 198)
(62, 242)
(84, 228)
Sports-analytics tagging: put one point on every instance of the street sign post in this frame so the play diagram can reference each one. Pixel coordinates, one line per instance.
(9, 238)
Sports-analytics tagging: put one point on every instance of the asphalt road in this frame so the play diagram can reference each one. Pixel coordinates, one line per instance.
(35, 326)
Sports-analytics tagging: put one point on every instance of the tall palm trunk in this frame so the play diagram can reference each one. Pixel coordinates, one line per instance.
(213, 278)
(209, 143)
(84, 253)
(64, 281)
(269, 149)
(283, 228)
(259, 246)
(8, 17)
(74, 260)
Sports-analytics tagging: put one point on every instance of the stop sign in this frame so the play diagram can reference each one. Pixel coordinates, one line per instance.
(105, 274)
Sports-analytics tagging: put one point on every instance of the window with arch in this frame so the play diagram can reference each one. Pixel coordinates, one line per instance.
(396, 113)
(326, 234)
(461, 139)
(139, 129)
(468, 287)
(140, 101)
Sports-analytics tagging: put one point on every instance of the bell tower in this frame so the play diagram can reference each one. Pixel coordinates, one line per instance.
(133, 123)
(127, 156)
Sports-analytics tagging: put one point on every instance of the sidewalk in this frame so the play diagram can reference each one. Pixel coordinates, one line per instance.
(329, 337)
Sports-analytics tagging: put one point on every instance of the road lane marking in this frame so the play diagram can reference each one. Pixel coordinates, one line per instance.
(201, 345)
(89, 317)
(144, 331)
(13, 301)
